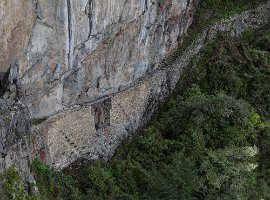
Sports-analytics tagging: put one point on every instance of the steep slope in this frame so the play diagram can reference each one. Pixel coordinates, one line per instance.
(210, 140)
(93, 101)
(95, 67)
(104, 123)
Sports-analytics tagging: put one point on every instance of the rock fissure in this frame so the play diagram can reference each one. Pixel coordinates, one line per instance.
(89, 13)
(70, 34)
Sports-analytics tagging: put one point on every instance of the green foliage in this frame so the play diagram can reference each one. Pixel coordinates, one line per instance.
(13, 185)
(220, 119)
(211, 11)
(209, 127)
(172, 181)
(188, 153)
(37, 121)
(53, 184)
(240, 69)
(100, 182)
(39, 167)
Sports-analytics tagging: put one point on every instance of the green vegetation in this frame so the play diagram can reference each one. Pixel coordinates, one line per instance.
(13, 186)
(211, 11)
(210, 142)
(52, 184)
(12, 183)
(37, 121)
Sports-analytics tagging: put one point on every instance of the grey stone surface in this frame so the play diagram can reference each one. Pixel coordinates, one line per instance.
(15, 137)
(74, 51)
(95, 68)
(87, 132)
(64, 54)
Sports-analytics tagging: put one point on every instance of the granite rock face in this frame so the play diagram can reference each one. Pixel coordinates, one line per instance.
(74, 51)
(15, 137)
(75, 56)
(94, 130)
(16, 24)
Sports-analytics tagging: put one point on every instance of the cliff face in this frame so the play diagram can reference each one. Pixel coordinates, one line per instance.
(15, 147)
(16, 23)
(93, 130)
(78, 56)
(75, 51)
(96, 67)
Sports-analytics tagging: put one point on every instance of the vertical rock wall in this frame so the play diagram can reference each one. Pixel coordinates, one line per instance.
(79, 56)
(94, 130)
(16, 23)
(93, 66)
(15, 137)
(75, 51)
